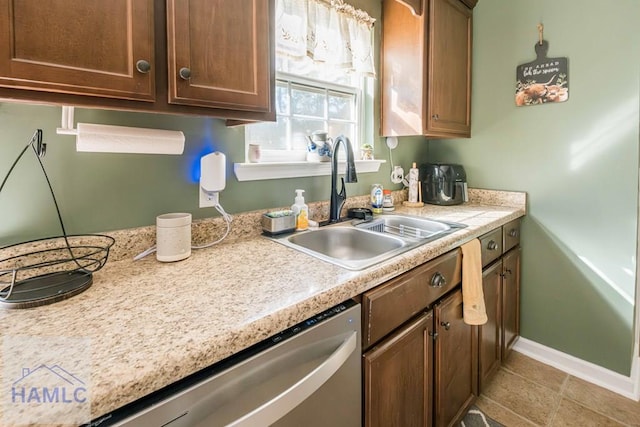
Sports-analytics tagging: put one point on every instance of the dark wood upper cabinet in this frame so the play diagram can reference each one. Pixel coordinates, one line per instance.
(449, 72)
(202, 57)
(426, 69)
(414, 5)
(81, 47)
(218, 53)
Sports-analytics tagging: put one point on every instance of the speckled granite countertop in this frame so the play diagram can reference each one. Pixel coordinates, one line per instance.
(149, 324)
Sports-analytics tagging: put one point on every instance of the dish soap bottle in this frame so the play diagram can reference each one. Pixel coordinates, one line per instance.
(301, 211)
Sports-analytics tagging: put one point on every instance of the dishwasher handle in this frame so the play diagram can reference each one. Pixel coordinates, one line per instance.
(276, 408)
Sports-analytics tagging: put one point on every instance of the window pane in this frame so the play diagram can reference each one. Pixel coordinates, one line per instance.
(270, 136)
(316, 70)
(282, 99)
(346, 129)
(301, 128)
(341, 106)
(307, 101)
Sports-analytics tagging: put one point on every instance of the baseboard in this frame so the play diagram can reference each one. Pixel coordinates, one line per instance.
(613, 381)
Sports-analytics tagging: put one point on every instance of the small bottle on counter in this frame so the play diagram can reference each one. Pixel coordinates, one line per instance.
(301, 211)
(387, 201)
(376, 198)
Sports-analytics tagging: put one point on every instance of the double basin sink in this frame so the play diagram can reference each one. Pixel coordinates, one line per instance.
(358, 244)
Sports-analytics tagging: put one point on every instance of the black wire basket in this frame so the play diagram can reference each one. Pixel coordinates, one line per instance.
(44, 271)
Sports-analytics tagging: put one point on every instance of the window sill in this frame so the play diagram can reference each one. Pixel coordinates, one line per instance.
(278, 170)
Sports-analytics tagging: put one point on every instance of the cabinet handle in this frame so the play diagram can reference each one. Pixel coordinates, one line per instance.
(438, 280)
(446, 325)
(433, 335)
(492, 246)
(143, 66)
(435, 117)
(507, 270)
(513, 232)
(185, 73)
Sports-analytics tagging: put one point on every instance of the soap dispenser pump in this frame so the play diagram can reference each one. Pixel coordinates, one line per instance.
(301, 211)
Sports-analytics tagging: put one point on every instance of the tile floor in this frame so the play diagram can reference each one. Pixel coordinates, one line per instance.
(525, 392)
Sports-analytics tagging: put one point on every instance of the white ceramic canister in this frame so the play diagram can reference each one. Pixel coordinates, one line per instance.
(254, 153)
(173, 237)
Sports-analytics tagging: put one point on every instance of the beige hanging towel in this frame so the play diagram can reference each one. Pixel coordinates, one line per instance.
(474, 311)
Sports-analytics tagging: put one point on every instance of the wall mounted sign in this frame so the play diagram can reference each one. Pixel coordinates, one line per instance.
(543, 80)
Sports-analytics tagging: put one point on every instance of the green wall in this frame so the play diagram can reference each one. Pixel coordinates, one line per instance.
(101, 192)
(578, 162)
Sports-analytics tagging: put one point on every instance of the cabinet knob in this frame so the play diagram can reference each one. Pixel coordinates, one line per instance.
(492, 246)
(507, 270)
(438, 280)
(513, 232)
(143, 66)
(185, 73)
(446, 325)
(435, 117)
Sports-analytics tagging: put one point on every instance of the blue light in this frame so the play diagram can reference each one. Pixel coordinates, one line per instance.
(207, 147)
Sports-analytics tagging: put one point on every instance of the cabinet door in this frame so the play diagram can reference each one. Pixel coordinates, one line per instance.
(402, 69)
(489, 334)
(398, 378)
(456, 357)
(81, 47)
(220, 53)
(510, 301)
(449, 72)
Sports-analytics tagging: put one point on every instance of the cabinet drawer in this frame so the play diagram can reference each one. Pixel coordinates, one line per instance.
(511, 234)
(491, 246)
(393, 303)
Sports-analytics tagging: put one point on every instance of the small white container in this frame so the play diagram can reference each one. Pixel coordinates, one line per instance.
(173, 237)
(254, 153)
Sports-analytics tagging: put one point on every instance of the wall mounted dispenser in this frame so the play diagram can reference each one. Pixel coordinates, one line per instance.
(95, 138)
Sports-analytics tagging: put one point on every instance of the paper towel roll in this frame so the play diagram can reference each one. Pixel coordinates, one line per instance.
(121, 139)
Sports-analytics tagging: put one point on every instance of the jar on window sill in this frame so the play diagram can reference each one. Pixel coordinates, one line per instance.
(366, 152)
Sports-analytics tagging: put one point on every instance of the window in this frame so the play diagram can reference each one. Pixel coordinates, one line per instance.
(323, 57)
(305, 105)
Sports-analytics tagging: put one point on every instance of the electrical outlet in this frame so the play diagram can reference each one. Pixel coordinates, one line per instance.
(397, 175)
(208, 199)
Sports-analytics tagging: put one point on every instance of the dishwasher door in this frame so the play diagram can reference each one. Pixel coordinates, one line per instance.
(308, 375)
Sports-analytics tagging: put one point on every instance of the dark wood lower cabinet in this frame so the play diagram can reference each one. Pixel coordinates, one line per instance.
(422, 364)
(501, 285)
(398, 377)
(490, 334)
(456, 362)
(510, 300)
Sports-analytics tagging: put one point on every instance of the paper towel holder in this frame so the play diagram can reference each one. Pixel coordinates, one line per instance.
(134, 143)
(67, 125)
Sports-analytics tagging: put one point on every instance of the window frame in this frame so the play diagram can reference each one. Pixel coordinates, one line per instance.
(326, 88)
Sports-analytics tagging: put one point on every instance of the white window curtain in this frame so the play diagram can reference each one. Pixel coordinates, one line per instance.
(326, 31)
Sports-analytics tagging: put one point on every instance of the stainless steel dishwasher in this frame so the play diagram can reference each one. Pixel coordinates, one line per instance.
(308, 375)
